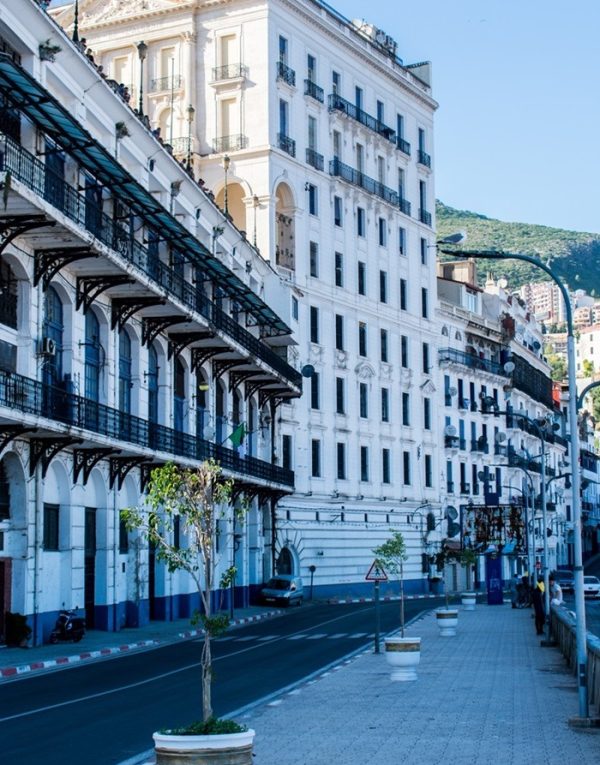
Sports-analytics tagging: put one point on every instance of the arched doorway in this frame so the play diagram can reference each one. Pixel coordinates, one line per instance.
(284, 225)
(235, 204)
(285, 562)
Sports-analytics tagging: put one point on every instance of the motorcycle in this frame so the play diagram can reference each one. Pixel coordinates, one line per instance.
(68, 626)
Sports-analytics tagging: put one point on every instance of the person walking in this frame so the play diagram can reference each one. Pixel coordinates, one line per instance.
(556, 593)
(538, 606)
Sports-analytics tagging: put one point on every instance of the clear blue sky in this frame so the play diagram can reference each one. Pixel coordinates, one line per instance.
(518, 84)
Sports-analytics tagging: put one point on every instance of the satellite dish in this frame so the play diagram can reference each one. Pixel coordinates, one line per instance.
(536, 345)
(452, 391)
(509, 367)
(500, 437)
(450, 430)
(307, 370)
(451, 512)
(209, 434)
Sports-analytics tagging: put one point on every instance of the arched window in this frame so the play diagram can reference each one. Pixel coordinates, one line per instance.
(8, 290)
(178, 395)
(53, 330)
(124, 372)
(285, 563)
(220, 413)
(152, 385)
(94, 357)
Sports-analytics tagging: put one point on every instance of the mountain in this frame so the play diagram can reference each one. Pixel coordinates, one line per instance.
(573, 255)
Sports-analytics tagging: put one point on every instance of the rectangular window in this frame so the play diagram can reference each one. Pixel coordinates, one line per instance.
(362, 338)
(364, 463)
(286, 452)
(312, 133)
(406, 408)
(382, 232)
(426, 368)
(381, 170)
(360, 157)
(385, 405)
(315, 398)
(315, 458)
(383, 288)
(474, 479)
(363, 400)
(399, 126)
(283, 50)
(283, 117)
(177, 532)
(314, 324)
(424, 303)
(339, 332)
(403, 295)
(449, 479)
(402, 240)
(423, 251)
(337, 144)
(51, 522)
(362, 278)
(123, 537)
(340, 396)
(337, 211)
(380, 111)
(383, 333)
(336, 82)
(406, 468)
(447, 387)
(314, 259)
(339, 269)
(385, 466)
(360, 221)
(428, 471)
(341, 461)
(313, 205)
(295, 308)
(427, 413)
(311, 68)
(421, 139)
(404, 351)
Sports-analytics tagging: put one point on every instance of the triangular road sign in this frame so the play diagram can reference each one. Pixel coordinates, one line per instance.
(376, 573)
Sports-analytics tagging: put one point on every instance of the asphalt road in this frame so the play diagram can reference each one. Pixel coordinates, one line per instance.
(105, 712)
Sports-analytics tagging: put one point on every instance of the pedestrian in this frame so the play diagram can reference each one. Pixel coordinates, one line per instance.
(514, 590)
(538, 607)
(556, 593)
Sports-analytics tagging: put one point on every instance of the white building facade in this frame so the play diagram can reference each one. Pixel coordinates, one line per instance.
(137, 327)
(318, 141)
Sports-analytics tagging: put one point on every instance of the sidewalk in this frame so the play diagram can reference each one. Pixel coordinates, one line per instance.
(100, 645)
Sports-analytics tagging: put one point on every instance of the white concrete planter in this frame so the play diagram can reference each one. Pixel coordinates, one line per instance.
(403, 655)
(230, 748)
(469, 601)
(447, 619)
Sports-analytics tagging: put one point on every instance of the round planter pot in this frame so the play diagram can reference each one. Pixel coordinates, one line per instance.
(447, 619)
(468, 600)
(225, 749)
(403, 655)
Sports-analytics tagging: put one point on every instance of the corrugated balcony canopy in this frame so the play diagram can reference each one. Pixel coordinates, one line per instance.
(28, 95)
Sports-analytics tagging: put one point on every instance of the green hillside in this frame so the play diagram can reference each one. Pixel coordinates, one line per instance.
(574, 256)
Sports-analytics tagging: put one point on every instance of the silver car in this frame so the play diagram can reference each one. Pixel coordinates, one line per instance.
(591, 586)
(283, 590)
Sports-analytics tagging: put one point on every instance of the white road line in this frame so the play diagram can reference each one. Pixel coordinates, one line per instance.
(320, 636)
(337, 635)
(358, 635)
(268, 637)
(296, 637)
(245, 639)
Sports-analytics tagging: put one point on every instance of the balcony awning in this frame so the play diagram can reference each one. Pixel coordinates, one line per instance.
(28, 95)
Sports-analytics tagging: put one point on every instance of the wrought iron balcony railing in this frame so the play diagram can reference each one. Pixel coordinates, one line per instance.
(454, 356)
(286, 73)
(161, 84)
(284, 257)
(403, 145)
(337, 103)
(229, 72)
(230, 143)
(314, 91)
(425, 217)
(370, 185)
(480, 445)
(34, 174)
(286, 144)
(465, 488)
(33, 397)
(181, 145)
(315, 159)
(423, 158)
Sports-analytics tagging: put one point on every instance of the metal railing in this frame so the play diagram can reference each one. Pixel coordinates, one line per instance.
(562, 627)
(452, 355)
(287, 144)
(356, 178)
(181, 145)
(166, 83)
(314, 91)
(286, 73)
(425, 217)
(403, 145)
(337, 103)
(229, 72)
(423, 158)
(230, 143)
(33, 397)
(33, 173)
(315, 159)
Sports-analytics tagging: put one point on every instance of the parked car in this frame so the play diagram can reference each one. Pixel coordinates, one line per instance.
(283, 590)
(565, 579)
(591, 586)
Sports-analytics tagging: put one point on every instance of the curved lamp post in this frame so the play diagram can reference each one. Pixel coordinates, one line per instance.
(580, 628)
(142, 50)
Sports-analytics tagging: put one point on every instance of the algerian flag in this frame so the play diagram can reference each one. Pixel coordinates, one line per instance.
(237, 436)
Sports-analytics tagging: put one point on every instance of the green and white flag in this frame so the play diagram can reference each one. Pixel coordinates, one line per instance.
(237, 436)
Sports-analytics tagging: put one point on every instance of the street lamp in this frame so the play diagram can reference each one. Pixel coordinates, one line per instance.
(226, 163)
(142, 50)
(190, 114)
(580, 628)
(76, 23)
(255, 204)
(529, 523)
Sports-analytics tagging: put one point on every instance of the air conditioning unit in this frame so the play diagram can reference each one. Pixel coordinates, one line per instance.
(450, 431)
(48, 346)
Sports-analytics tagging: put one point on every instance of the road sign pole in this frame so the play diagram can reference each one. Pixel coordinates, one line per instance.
(377, 617)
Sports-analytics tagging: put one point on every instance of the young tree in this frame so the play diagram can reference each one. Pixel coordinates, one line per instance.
(198, 497)
(392, 554)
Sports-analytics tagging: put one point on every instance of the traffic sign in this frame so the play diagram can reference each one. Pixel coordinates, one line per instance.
(376, 573)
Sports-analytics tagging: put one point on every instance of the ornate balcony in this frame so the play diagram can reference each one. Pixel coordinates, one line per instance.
(286, 73)
(425, 217)
(356, 178)
(423, 158)
(337, 103)
(403, 146)
(229, 72)
(454, 356)
(314, 91)
(162, 84)
(287, 144)
(230, 143)
(314, 159)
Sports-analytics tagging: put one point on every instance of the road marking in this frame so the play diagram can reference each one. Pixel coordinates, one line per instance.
(296, 637)
(337, 635)
(268, 637)
(357, 635)
(320, 636)
(245, 639)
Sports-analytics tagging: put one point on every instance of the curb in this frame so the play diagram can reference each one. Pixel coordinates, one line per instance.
(63, 661)
(341, 601)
